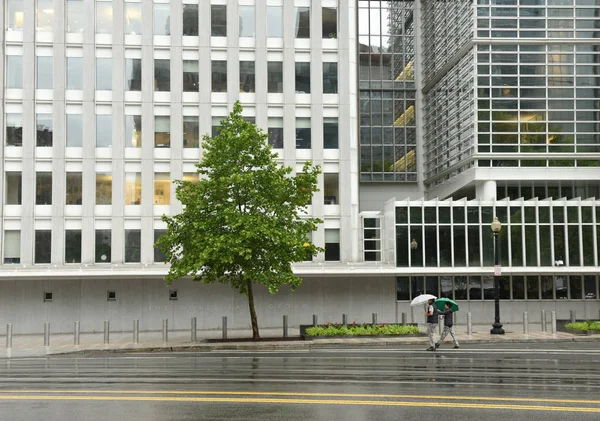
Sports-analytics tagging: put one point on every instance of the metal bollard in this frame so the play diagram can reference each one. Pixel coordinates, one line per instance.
(224, 327)
(469, 324)
(46, 333)
(194, 330)
(403, 318)
(553, 318)
(573, 316)
(165, 331)
(525, 323)
(440, 323)
(76, 333)
(543, 320)
(285, 326)
(344, 319)
(315, 320)
(107, 331)
(374, 317)
(9, 335)
(136, 331)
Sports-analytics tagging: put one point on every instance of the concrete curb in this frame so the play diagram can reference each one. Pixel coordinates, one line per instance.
(306, 346)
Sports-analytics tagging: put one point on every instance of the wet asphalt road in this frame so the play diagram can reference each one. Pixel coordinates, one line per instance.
(510, 382)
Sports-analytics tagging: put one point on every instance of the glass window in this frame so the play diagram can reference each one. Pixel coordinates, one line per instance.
(43, 246)
(329, 22)
(475, 288)
(191, 131)
(275, 131)
(44, 126)
(133, 74)
(73, 246)
(402, 288)
(12, 247)
(190, 76)
(330, 78)
(162, 75)
(590, 287)
(460, 287)
(13, 188)
(518, 288)
(159, 256)
(14, 72)
(43, 188)
(103, 188)
(75, 73)
(74, 188)
(274, 22)
(332, 244)
(75, 16)
(133, 188)
(45, 72)
(247, 76)
(302, 22)
(133, 246)
(162, 189)
(133, 131)
(103, 131)
(104, 74)
(45, 15)
(15, 15)
(162, 131)
(190, 20)
(103, 246)
(303, 78)
(133, 18)
(14, 129)
(218, 20)
(246, 21)
(330, 133)
(331, 191)
(216, 125)
(162, 19)
(192, 177)
(275, 77)
(303, 133)
(547, 287)
(575, 284)
(74, 130)
(219, 76)
(104, 17)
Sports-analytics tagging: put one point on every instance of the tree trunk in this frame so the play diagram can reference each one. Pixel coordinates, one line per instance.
(250, 295)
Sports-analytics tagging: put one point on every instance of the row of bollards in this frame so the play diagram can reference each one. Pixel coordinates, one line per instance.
(165, 327)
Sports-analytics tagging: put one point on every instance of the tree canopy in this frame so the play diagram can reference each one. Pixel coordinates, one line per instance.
(242, 222)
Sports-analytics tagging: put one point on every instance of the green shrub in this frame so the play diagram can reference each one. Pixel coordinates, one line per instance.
(361, 330)
(587, 325)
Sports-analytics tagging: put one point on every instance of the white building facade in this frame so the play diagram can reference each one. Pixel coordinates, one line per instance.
(105, 102)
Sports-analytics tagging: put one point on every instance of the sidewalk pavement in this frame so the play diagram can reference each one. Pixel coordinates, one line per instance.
(32, 345)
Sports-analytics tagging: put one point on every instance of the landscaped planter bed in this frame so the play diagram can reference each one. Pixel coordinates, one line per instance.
(337, 331)
(588, 327)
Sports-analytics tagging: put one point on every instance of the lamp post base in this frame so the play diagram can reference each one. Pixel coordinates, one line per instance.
(497, 329)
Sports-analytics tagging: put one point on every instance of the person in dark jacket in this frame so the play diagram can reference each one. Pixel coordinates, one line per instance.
(432, 321)
(448, 323)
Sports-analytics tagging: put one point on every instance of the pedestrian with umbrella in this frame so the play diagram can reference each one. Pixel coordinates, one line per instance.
(431, 313)
(447, 307)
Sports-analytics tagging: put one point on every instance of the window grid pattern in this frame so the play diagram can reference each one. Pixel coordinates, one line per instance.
(533, 234)
(515, 287)
(387, 91)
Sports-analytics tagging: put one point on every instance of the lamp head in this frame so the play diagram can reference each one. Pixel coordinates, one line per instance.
(413, 244)
(496, 225)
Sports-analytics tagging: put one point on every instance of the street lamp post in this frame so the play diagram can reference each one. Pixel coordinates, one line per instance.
(497, 326)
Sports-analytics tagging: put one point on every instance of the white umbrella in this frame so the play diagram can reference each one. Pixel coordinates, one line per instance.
(422, 299)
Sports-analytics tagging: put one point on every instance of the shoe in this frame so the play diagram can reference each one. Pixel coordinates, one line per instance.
(430, 349)
(437, 345)
(456, 346)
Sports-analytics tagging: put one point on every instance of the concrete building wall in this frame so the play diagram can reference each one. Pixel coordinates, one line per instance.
(85, 300)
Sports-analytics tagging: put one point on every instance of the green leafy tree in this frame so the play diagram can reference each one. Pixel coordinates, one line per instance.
(241, 223)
